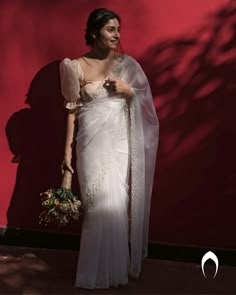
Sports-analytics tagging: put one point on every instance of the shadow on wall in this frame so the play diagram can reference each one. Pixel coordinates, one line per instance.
(36, 137)
(193, 80)
(194, 190)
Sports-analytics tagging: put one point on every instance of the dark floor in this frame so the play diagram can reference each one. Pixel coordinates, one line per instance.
(44, 271)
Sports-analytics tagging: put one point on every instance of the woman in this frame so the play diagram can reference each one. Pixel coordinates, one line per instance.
(108, 95)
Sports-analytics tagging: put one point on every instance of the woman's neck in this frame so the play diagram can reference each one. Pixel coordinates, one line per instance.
(101, 54)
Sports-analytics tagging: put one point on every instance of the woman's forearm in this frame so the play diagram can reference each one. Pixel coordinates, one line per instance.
(129, 92)
(70, 134)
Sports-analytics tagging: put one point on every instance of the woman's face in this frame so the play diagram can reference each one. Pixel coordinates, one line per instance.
(109, 35)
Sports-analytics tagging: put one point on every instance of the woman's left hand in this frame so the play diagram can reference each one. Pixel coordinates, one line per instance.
(119, 86)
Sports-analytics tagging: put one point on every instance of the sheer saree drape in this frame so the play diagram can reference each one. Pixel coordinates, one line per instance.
(144, 140)
(113, 140)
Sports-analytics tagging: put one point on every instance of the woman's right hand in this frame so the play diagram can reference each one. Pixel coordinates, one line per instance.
(66, 165)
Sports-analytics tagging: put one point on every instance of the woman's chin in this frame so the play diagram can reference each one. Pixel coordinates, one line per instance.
(114, 46)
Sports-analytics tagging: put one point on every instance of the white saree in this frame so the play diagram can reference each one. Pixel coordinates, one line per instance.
(116, 148)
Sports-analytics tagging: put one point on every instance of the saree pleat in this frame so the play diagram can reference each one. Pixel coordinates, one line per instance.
(104, 253)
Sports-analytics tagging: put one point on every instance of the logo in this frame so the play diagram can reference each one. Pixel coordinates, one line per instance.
(213, 257)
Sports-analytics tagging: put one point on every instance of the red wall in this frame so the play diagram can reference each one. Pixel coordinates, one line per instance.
(188, 53)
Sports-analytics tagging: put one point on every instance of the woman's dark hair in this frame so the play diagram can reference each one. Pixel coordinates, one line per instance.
(96, 20)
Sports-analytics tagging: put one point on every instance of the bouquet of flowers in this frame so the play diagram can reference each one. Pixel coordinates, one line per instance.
(60, 205)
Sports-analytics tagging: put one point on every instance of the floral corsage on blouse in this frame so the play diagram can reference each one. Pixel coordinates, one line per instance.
(60, 205)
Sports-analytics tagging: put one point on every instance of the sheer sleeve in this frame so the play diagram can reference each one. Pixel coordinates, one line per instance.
(70, 85)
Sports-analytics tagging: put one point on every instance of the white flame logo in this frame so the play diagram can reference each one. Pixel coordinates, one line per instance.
(213, 257)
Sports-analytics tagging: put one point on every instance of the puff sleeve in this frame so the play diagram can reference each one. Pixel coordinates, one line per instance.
(70, 83)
